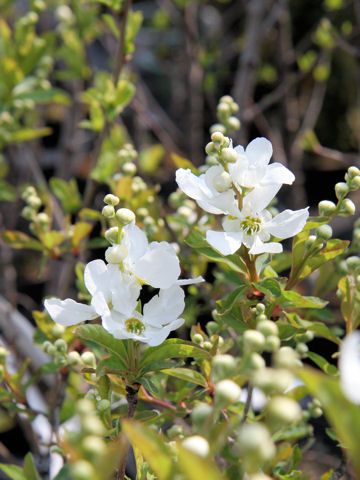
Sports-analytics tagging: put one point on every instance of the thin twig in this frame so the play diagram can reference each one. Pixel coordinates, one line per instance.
(248, 403)
(132, 399)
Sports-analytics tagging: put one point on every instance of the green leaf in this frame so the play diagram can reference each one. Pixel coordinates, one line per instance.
(350, 302)
(323, 331)
(67, 193)
(7, 192)
(172, 348)
(64, 473)
(30, 470)
(186, 374)
(182, 162)
(111, 23)
(20, 240)
(26, 134)
(151, 448)
(13, 471)
(196, 467)
(323, 364)
(97, 334)
(90, 214)
(133, 25)
(79, 232)
(269, 286)
(224, 306)
(342, 414)
(289, 298)
(150, 158)
(110, 365)
(54, 95)
(52, 239)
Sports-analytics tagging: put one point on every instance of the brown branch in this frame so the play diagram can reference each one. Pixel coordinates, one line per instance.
(248, 403)
(132, 400)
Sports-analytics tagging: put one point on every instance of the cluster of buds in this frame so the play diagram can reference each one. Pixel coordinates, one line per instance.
(345, 207)
(40, 221)
(226, 109)
(185, 215)
(219, 152)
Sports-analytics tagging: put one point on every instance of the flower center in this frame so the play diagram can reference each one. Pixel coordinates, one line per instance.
(250, 225)
(133, 325)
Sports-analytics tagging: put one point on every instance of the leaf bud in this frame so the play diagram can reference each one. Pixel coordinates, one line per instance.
(82, 470)
(57, 330)
(125, 216)
(253, 340)
(200, 413)
(223, 366)
(60, 345)
(234, 123)
(272, 343)
(111, 199)
(324, 232)
(287, 357)
(341, 190)
(108, 211)
(197, 444)
(229, 155)
(347, 208)
(74, 358)
(129, 169)
(282, 411)
(255, 445)
(88, 358)
(112, 234)
(222, 182)
(218, 127)
(326, 208)
(267, 328)
(116, 254)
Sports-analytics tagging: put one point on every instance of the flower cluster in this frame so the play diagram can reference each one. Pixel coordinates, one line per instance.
(241, 186)
(115, 289)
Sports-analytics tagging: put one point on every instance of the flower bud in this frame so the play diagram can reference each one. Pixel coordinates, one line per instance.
(226, 99)
(227, 392)
(326, 208)
(271, 380)
(324, 232)
(223, 109)
(256, 361)
(111, 199)
(353, 172)
(282, 411)
(267, 328)
(272, 343)
(341, 190)
(200, 413)
(222, 182)
(74, 358)
(108, 211)
(28, 192)
(217, 137)
(210, 147)
(112, 234)
(207, 346)
(129, 169)
(175, 431)
(353, 263)
(255, 445)
(28, 213)
(103, 405)
(234, 123)
(302, 348)
(43, 219)
(93, 446)
(57, 330)
(253, 340)
(198, 338)
(197, 444)
(287, 357)
(229, 155)
(88, 358)
(212, 327)
(218, 127)
(354, 183)
(125, 216)
(185, 212)
(347, 208)
(34, 201)
(60, 345)
(116, 254)
(92, 425)
(82, 470)
(211, 161)
(223, 366)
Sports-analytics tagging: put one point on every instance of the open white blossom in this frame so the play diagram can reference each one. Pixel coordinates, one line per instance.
(211, 194)
(254, 230)
(253, 176)
(115, 299)
(349, 366)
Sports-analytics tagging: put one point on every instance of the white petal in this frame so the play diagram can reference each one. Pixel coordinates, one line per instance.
(125, 293)
(165, 307)
(135, 240)
(190, 281)
(99, 303)
(94, 275)
(287, 223)
(225, 202)
(277, 173)
(190, 184)
(68, 312)
(349, 366)
(259, 152)
(261, 196)
(159, 266)
(259, 247)
(225, 242)
(157, 335)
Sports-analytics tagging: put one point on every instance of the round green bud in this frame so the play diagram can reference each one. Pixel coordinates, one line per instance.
(74, 358)
(200, 413)
(353, 263)
(223, 109)
(112, 234)
(197, 444)
(267, 328)
(175, 431)
(234, 123)
(316, 412)
(34, 201)
(210, 147)
(28, 192)
(51, 350)
(60, 345)
(223, 366)
(255, 446)
(185, 212)
(198, 338)
(60, 359)
(88, 358)
(108, 211)
(92, 425)
(103, 405)
(217, 137)
(302, 348)
(28, 213)
(212, 328)
(218, 127)
(229, 155)
(142, 212)
(260, 308)
(211, 161)
(129, 169)
(308, 336)
(43, 219)
(347, 208)
(220, 340)
(287, 357)
(272, 343)
(341, 190)
(57, 330)
(226, 99)
(326, 208)
(226, 142)
(116, 254)
(273, 381)
(354, 183)
(353, 172)
(207, 346)
(227, 392)
(111, 199)
(256, 361)
(82, 470)
(125, 216)
(282, 411)
(324, 232)
(223, 182)
(253, 340)
(93, 446)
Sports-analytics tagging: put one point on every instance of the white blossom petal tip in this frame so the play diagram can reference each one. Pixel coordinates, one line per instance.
(349, 366)
(68, 312)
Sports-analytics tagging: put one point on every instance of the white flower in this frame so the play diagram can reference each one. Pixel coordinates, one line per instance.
(155, 264)
(160, 316)
(254, 229)
(254, 177)
(349, 366)
(205, 190)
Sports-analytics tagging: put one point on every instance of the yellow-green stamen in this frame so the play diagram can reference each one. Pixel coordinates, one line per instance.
(133, 325)
(250, 225)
